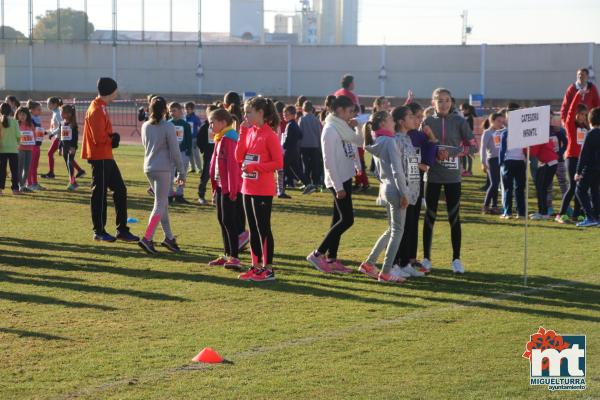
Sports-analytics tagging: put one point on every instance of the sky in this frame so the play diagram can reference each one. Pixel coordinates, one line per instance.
(392, 22)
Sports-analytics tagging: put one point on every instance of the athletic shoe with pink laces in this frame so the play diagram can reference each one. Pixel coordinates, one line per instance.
(319, 262)
(233, 264)
(263, 275)
(339, 268)
(249, 275)
(218, 262)
(369, 270)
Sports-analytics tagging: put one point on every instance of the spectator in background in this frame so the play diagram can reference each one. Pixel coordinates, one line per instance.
(310, 146)
(587, 90)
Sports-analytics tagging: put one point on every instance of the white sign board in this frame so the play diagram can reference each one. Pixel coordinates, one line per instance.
(528, 127)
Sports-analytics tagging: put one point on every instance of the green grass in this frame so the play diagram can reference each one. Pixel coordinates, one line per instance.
(85, 320)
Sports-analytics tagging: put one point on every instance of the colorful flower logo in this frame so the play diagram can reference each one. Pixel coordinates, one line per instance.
(545, 339)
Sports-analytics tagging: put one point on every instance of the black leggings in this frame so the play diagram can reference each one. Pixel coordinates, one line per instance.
(410, 239)
(258, 214)
(493, 175)
(432, 196)
(293, 168)
(343, 218)
(13, 163)
(543, 179)
(571, 167)
(227, 215)
(310, 160)
(69, 159)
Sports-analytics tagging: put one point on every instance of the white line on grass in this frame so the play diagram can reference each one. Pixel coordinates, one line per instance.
(165, 373)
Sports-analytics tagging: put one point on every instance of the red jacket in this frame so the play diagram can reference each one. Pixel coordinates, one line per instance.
(591, 100)
(347, 93)
(544, 152)
(573, 148)
(223, 160)
(259, 153)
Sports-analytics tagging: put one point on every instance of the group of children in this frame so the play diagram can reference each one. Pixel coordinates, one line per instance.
(21, 138)
(566, 156)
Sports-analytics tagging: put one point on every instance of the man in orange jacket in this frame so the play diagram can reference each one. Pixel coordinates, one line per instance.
(97, 147)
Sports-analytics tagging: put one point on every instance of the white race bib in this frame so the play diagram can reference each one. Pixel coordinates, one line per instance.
(66, 133)
(250, 159)
(39, 134)
(27, 138)
(414, 175)
(450, 163)
(581, 134)
(179, 131)
(211, 136)
(554, 141)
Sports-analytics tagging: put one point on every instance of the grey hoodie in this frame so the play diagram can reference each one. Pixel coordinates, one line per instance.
(388, 158)
(450, 130)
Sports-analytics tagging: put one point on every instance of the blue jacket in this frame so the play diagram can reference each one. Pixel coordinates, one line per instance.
(193, 118)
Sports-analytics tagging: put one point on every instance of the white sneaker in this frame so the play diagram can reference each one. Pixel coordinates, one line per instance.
(397, 271)
(458, 267)
(426, 263)
(412, 272)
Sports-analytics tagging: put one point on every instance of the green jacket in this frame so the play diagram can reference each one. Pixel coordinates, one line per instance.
(10, 137)
(186, 145)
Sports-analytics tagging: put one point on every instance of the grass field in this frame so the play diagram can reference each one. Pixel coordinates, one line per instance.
(85, 320)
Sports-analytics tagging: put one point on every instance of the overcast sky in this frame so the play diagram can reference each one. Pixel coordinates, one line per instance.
(380, 21)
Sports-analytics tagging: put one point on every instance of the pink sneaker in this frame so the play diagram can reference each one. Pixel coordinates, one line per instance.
(233, 264)
(319, 262)
(218, 262)
(338, 267)
(369, 270)
(243, 239)
(389, 278)
(250, 274)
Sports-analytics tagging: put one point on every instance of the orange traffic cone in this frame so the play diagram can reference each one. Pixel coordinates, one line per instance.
(208, 356)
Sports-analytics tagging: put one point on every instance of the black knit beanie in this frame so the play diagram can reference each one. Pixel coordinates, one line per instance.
(106, 86)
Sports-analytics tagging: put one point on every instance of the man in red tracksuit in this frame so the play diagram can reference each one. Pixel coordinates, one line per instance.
(591, 98)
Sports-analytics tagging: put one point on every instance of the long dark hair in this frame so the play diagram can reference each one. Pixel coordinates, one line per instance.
(374, 124)
(157, 110)
(233, 104)
(70, 110)
(5, 111)
(25, 111)
(268, 108)
(399, 114)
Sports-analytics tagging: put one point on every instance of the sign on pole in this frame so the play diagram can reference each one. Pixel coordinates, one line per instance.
(528, 127)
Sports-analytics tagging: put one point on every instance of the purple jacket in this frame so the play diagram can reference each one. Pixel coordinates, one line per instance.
(428, 150)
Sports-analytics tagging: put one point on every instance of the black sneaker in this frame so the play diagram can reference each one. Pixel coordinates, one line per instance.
(171, 244)
(309, 189)
(181, 200)
(49, 175)
(147, 246)
(284, 196)
(80, 173)
(127, 236)
(104, 237)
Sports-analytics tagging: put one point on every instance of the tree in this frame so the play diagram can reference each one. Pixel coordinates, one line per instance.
(72, 25)
(10, 33)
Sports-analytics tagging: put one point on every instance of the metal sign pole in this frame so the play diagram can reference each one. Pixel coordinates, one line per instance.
(526, 217)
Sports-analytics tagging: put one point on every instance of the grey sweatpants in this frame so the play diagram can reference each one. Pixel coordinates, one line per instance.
(391, 238)
(24, 163)
(561, 177)
(186, 162)
(161, 184)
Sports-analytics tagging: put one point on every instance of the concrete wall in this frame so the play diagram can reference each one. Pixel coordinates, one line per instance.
(532, 72)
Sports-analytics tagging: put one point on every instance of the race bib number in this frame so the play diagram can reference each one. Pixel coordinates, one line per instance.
(414, 175)
(497, 139)
(250, 159)
(27, 138)
(348, 149)
(39, 134)
(581, 134)
(450, 163)
(66, 133)
(179, 132)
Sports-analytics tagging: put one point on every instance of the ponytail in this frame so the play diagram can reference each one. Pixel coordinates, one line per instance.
(5, 111)
(157, 110)
(368, 133)
(399, 114)
(267, 106)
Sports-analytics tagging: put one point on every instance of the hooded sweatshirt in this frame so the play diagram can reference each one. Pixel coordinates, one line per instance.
(161, 149)
(410, 158)
(311, 131)
(389, 158)
(450, 130)
(337, 142)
